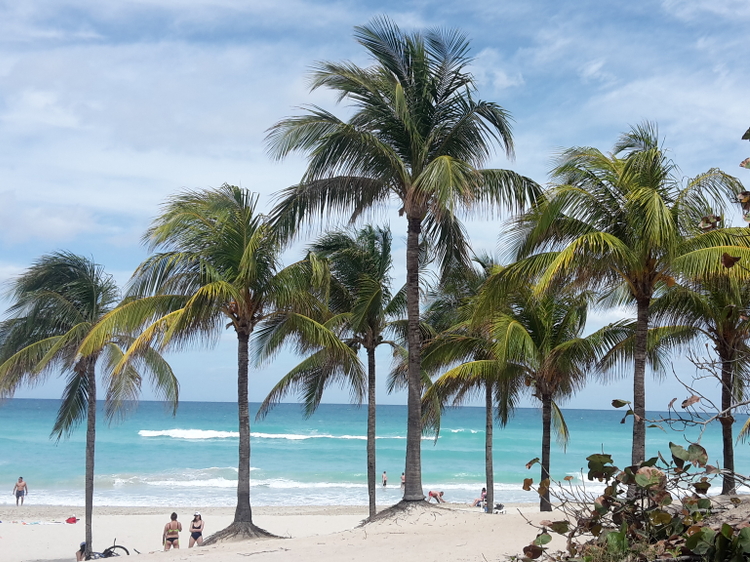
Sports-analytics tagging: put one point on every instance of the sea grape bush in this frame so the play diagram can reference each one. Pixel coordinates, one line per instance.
(656, 510)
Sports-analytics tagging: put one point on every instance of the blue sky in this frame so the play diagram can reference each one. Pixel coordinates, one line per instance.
(107, 108)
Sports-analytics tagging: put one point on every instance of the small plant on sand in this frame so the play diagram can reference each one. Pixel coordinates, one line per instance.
(655, 510)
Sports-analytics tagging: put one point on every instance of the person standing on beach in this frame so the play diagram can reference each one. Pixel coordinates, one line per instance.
(385, 479)
(403, 481)
(196, 530)
(171, 536)
(20, 490)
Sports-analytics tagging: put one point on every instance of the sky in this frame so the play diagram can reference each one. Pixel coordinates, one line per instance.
(108, 108)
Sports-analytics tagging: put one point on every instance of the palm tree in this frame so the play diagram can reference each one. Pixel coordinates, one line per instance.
(360, 311)
(526, 340)
(56, 304)
(625, 223)
(459, 340)
(417, 136)
(218, 268)
(717, 308)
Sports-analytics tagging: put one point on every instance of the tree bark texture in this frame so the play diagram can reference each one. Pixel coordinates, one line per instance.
(544, 503)
(90, 373)
(488, 468)
(413, 489)
(639, 381)
(243, 513)
(371, 404)
(727, 384)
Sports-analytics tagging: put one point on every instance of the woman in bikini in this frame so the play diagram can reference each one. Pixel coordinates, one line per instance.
(171, 536)
(196, 530)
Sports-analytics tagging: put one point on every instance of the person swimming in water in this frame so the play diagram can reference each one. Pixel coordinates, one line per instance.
(171, 535)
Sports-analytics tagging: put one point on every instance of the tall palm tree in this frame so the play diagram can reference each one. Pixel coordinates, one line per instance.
(418, 137)
(457, 340)
(217, 268)
(360, 311)
(717, 308)
(56, 304)
(529, 341)
(625, 223)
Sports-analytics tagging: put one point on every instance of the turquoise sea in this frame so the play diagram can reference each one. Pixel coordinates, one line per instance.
(152, 458)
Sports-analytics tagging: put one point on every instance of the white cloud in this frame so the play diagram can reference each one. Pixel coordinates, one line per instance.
(489, 68)
(693, 10)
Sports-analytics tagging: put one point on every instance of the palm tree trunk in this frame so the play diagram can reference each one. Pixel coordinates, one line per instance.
(544, 503)
(244, 512)
(639, 381)
(242, 527)
(728, 486)
(413, 488)
(488, 427)
(90, 374)
(371, 430)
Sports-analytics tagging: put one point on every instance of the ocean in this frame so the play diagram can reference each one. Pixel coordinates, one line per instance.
(190, 460)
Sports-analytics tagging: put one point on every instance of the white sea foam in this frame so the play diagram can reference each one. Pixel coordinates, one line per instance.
(215, 434)
(189, 433)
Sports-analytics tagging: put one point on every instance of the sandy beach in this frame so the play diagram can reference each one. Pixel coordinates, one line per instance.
(331, 534)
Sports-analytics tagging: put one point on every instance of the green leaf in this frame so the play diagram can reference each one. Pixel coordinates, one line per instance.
(543, 539)
(743, 539)
(679, 454)
(619, 403)
(704, 503)
(660, 518)
(560, 527)
(727, 531)
(697, 455)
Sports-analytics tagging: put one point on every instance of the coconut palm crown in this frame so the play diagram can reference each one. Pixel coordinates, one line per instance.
(417, 137)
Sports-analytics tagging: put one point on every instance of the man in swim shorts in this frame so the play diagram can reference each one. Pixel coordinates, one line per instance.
(20, 490)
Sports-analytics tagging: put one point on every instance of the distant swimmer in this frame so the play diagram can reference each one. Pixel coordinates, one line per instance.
(171, 535)
(437, 496)
(385, 479)
(20, 490)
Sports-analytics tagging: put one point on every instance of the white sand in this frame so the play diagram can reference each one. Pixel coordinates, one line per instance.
(315, 534)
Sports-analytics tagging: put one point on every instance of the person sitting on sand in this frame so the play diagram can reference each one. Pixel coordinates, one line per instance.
(196, 530)
(437, 496)
(81, 553)
(171, 535)
(481, 499)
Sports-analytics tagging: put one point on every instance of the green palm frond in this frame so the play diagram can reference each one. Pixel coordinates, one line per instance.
(72, 410)
(561, 426)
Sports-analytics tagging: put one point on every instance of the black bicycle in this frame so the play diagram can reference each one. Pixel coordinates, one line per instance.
(109, 552)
